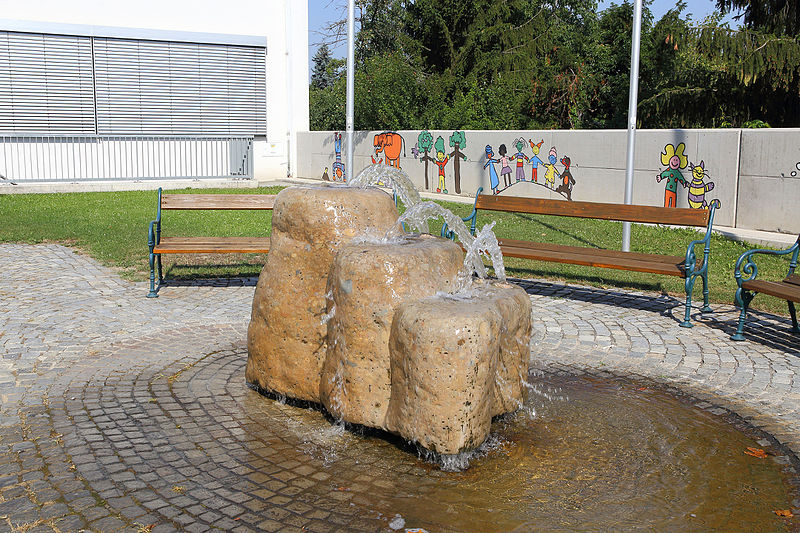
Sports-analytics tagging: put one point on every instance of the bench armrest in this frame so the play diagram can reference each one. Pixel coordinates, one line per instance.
(472, 219)
(746, 264)
(152, 240)
(154, 232)
(690, 262)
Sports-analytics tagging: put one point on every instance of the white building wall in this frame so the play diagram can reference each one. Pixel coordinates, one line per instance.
(283, 22)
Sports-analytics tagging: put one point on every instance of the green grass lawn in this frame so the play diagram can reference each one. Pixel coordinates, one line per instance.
(112, 228)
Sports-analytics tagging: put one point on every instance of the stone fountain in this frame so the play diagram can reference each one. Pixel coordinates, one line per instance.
(384, 328)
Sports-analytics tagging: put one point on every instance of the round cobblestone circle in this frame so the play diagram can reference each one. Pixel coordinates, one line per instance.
(124, 413)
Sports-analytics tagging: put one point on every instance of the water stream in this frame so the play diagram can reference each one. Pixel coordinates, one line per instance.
(417, 215)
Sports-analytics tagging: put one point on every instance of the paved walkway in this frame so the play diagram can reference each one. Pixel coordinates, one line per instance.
(126, 413)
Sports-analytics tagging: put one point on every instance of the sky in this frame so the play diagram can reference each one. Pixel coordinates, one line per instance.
(322, 12)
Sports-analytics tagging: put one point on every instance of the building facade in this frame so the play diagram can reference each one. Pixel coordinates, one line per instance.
(91, 97)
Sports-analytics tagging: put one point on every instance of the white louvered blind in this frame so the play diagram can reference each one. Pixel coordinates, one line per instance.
(161, 88)
(45, 84)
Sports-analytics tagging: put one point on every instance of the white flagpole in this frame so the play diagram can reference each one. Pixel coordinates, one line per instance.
(350, 86)
(633, 97)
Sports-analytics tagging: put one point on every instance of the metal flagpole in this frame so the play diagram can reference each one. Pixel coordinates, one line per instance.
(351, 7)
(633, 97)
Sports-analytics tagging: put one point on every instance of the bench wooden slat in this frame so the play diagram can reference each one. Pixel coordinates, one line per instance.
(597, 252)
(630, 213)
(779, 289)
(196, 245)
(217, 201)
(656, 264)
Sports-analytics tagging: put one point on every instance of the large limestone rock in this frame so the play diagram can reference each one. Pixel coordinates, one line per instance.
(456, 362)
(367, 283)
(286, 338)
(514, 306)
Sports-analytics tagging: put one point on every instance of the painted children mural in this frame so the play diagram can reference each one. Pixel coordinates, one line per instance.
(338, 166)
(520, 158)
(552, 172)
(699, 187)
(567, 181)
(674, 159)
(441, 161)
(494, 182)
(503, 181)
(505, 170)
(535, 161)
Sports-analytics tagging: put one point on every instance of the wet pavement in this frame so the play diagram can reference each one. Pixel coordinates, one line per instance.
(126, 413)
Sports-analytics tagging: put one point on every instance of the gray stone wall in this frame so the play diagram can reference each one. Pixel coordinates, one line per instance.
(755, 173)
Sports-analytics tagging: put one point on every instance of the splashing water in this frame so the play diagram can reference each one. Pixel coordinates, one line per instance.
(460, 461)
(417, 215)
(485, 242)
(393, 177)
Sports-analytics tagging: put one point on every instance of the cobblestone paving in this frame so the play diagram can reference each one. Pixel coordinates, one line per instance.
(126, 413)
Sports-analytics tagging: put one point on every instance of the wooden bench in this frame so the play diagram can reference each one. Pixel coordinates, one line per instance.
(159, 244)
(788, 289)
(687, 266)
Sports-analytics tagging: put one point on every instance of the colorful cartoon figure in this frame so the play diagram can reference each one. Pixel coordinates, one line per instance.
(675, 160)
(505, 170)
(391, 144)
(494, 182)
(338, 166)
(567, 181)
(441, 161)
(535, 161)
(698, 188)
(520, 158)
(551, 173)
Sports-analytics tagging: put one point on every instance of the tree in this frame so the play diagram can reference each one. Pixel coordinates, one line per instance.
(779, 17)
(321, 77)
(457, 140)
(532, 64)
(327, 107)
(387, 92)
(425, 143)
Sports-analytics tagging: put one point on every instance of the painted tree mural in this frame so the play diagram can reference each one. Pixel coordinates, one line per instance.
(425, 143)
(457, 140)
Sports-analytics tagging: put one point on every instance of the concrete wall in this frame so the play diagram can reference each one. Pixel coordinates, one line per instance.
(744, 167)
(769, 180)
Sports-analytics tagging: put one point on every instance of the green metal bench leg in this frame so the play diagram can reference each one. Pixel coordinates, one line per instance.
(706, 308)
(793, 314)
(153, 291)
(743, 299)
(689, 285)
(160, 276)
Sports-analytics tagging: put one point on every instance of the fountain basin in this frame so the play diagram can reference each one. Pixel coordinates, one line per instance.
(388, 332)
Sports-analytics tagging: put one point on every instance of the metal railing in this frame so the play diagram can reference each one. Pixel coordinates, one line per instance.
(38, 158)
